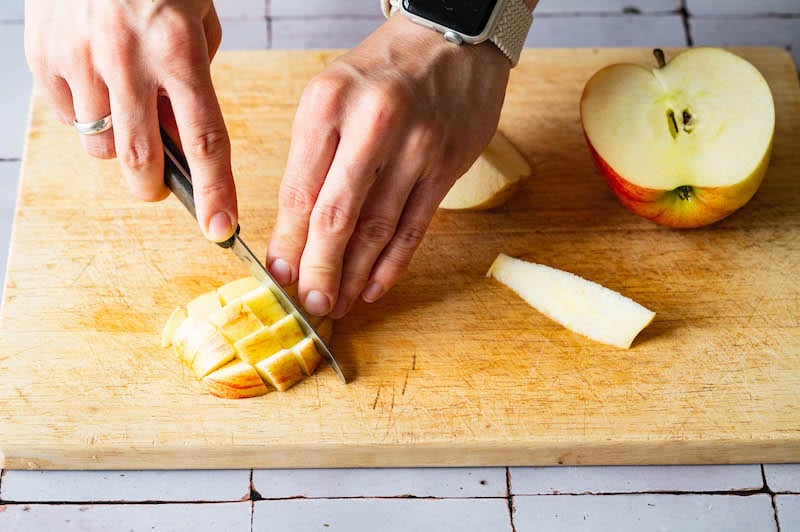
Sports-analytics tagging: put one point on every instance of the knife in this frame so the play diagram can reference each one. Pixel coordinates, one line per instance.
(178, 179)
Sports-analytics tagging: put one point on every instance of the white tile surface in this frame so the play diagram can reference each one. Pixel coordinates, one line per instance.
(328, 32)
(384, 515)
(605, 6)
(323, 8)
(244, 34)
(446, 482)
(762, 31)
(788, 507)
(128, 486)
(628, 30)
(783, 478)
(635, 513)
(222, 517)
(15, 91)
(741, 7)
(554, 480)
(241, 8)
(12, 10)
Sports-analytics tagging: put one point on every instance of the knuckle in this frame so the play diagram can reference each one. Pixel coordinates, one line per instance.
(376, 230)
(211, 144)
(325, 95)
(296, 199)
(384, 110)
(409, 237)
(213, 188)
(137, 156)
(332, 219)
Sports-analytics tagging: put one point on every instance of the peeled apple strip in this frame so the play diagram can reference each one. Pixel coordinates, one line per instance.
(582, 306)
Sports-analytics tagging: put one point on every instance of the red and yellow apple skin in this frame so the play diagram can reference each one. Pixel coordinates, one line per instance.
(684, 207)
(685, 144)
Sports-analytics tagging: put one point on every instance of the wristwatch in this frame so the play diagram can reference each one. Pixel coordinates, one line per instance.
(503, 22)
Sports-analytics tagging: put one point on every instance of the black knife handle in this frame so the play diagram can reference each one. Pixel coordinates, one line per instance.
(176, 177)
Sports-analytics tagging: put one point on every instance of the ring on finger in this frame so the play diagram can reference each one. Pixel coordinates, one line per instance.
(93, 128)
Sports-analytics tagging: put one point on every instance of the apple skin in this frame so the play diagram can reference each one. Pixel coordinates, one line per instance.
(671, 208)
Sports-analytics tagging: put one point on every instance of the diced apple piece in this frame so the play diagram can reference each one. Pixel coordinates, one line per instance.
(236, 289)
(204, 305)
(580, 305)
(307, 356)
(173, 322)
(237, 380)
(235, 321)
(287, 331)
(189, 336)
(212, 354)
(491, 180)
(264, 305)
(257, 346)
(281, 370)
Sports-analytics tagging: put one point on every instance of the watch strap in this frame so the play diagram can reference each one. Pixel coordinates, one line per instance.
(509, 32)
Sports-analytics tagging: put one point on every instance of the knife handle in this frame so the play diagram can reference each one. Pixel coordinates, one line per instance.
(177, 178)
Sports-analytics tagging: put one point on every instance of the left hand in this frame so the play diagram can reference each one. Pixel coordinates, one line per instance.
(379, 138)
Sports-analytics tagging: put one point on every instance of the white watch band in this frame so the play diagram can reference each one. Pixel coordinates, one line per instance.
(509, 33)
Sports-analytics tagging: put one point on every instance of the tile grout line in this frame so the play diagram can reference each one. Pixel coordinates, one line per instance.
(771, 498)
(510, 498)
(687, 29)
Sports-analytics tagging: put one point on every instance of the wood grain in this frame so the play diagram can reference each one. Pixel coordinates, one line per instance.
(450, 368)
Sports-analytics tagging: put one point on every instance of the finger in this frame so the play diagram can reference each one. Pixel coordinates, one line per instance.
(377, 224)
(137, 137)
(59, 97)
(90, 101)
(207, 148)
(334, 217)
(213, 31)
(396, 256)
(311, 151)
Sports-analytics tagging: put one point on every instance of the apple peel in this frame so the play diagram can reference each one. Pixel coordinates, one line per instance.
(580, 305)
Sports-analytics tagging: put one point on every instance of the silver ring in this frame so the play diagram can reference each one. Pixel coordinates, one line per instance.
(93, 128)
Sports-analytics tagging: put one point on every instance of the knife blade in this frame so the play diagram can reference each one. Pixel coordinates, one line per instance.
(178, 179)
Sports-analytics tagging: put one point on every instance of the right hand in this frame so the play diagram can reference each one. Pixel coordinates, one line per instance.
(140, 60)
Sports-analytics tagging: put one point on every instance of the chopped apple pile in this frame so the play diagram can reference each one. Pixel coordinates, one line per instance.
(240, 342)
(492, 179)
(581, 306)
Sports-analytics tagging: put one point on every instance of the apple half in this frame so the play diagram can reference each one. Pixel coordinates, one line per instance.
(685, 144)
(580, 305)
(491, 180)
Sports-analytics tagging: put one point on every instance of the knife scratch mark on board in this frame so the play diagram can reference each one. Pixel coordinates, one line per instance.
(80, 273)
(377, 396)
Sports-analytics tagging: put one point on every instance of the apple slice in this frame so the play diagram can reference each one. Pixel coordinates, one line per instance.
(282, 370)
(235, 321)
(189, 336)
(307, 355)
(492, 179)
(173, 322)
(264, 305)
(204, 305)
(582, 306)
(236, 380)
(685, 144)
(212, 354)
(235, 289)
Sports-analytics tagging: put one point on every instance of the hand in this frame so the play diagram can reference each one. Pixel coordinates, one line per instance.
(139, 60)
(379, 138)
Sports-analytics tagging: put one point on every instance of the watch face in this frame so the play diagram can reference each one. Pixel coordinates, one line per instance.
(466, 16)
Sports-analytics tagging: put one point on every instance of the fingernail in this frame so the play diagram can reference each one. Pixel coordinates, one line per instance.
(317, 303)
(220, 227)
(281, 271)
(372, 293)
(341, 307)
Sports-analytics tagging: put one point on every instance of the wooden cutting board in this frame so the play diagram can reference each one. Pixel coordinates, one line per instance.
(450, 368)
